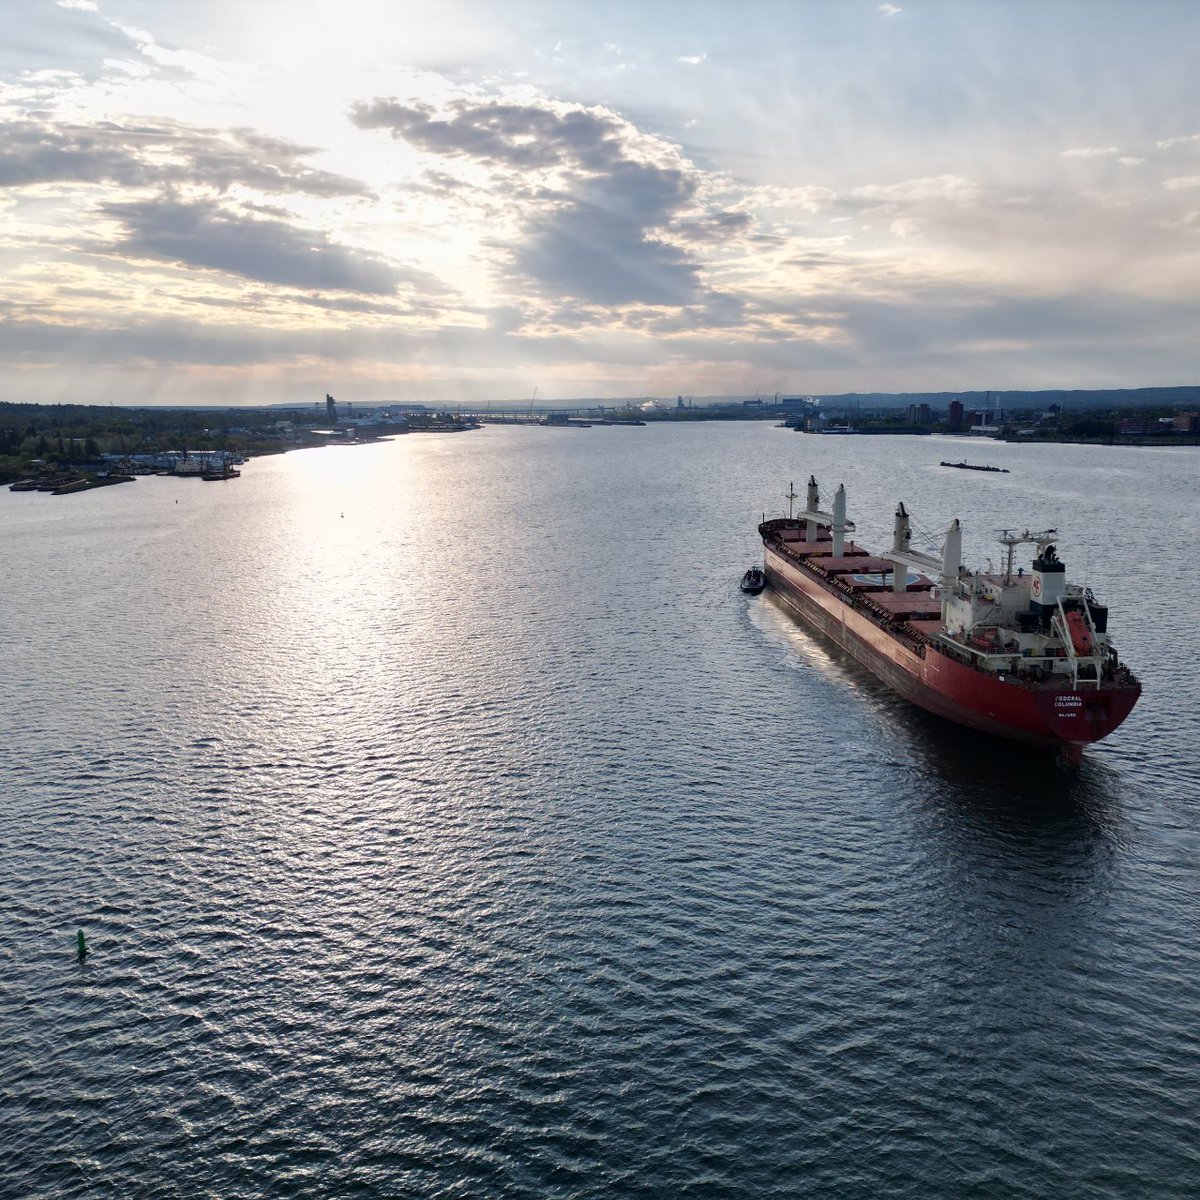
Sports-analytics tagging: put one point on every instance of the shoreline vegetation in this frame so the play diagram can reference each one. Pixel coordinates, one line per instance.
(65, 448)
(79, 447)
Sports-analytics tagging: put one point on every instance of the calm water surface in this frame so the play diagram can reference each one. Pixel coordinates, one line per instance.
(444, 822)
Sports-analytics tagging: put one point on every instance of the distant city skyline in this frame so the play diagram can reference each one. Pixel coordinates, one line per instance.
(220, 203)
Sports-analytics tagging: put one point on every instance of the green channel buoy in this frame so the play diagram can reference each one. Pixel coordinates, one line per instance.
(82, 945)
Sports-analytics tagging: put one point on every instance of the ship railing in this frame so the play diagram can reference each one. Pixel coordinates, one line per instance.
(1032, 669)
(992, 663)
(779, 524)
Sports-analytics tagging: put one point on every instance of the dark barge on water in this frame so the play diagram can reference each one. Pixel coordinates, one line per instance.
(966, 466)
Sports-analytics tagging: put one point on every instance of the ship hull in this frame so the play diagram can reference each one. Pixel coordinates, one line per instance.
(1061, 718)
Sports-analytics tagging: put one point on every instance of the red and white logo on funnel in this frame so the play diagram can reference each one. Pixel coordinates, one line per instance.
(1036, 586)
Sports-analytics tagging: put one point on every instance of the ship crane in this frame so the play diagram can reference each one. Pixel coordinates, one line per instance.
(837, 521)
(902, 556)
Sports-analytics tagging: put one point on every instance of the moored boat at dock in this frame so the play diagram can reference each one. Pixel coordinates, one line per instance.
(1022, 655)
(73, 485)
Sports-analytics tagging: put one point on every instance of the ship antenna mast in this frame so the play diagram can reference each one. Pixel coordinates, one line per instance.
(791, 498)
(1011, 543)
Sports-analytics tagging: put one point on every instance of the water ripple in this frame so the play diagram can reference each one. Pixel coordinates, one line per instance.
(486, 842)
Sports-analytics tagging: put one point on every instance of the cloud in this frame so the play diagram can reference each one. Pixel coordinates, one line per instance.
(932, 189)
(956, 320)
(202, 234)
(77, 5)
(712, 228)
(810, 199)
(717, 312)
(923, 332)
(1090, 152)
(601, 202)
(1128, 160)
(1188, 139)
(603, 257)
(890, 10)
(34, 151)
(692, 60)
(515, 135)
(1188, 222)
(169, 62)
(1182, 183)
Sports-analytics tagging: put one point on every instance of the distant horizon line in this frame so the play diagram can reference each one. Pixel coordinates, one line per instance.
(1160, 392)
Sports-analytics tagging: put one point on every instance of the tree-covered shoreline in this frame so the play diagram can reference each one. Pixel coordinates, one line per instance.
(45, 440)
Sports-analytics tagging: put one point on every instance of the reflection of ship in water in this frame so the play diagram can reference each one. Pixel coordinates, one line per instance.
(1023, 656)
(984, 789)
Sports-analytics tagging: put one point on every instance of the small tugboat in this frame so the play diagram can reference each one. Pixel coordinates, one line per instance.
(753, 581)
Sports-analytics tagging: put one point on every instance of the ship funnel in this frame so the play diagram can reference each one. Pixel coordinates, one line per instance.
(839, 521)
(1049, 581)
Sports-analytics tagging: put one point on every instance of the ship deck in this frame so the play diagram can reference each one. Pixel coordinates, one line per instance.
(909, 605)
(821, 546)
(912, 614)
(862, 564)
(926, 627)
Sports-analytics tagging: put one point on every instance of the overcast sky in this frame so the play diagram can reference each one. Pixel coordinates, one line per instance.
(250, 201)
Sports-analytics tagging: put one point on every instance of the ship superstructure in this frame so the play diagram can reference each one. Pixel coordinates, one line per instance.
(1021, 653)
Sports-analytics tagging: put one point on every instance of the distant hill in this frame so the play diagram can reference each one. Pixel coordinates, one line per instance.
(1152, 397)
(1155, 397)
(1183, 396)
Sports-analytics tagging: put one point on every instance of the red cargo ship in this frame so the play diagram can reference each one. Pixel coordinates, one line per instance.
(1025, 655)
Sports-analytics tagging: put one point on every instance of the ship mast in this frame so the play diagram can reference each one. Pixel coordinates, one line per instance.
(813, 510)
(814, 518)
(791, 497)
(902, 556)
(840, 523)
(1010, 541)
